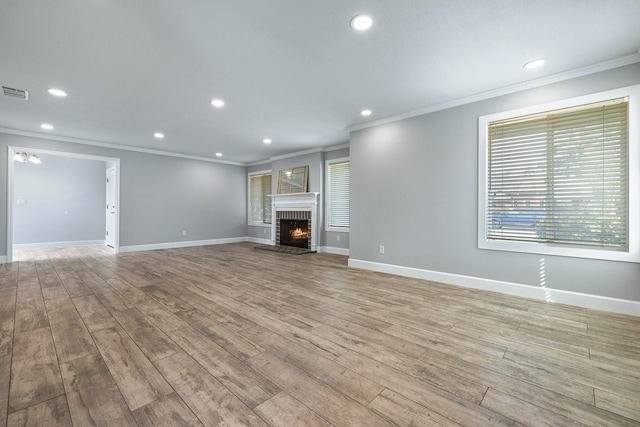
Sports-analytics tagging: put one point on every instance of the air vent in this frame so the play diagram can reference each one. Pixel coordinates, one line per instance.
(16, 93)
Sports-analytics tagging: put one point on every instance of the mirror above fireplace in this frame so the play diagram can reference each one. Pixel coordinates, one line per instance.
(293, 180)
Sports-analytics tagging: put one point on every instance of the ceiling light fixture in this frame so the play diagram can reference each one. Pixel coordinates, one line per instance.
(57, 92)
(218, 154)
(46, 126)
(365, 113)
(159, 135)
(218, 103)
(536, 63)
(267, 141)
(27, 157)
(361, 22)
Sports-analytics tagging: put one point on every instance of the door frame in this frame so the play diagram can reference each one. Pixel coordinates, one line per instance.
(14, 149)
(107, 215)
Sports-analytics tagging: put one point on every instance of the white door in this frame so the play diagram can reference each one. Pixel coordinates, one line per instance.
(110, 238)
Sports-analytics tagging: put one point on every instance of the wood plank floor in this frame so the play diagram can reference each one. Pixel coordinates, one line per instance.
(229, 335)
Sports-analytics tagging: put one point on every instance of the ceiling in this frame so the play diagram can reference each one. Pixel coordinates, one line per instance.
(290, 70)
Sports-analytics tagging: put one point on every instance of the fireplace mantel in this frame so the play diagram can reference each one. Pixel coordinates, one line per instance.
(297, 202)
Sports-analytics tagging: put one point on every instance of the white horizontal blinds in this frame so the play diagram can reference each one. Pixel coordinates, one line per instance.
(259, 189)
(338, 200)
(561, 177)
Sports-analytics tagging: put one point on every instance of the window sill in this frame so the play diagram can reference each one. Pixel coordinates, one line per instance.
(258, 224)
(545, 249)
(337, 229)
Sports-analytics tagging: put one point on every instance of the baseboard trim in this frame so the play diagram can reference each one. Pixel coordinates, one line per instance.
(594, 302)
(259, 241)
(186, 244)
(332, 250)
(47, 245)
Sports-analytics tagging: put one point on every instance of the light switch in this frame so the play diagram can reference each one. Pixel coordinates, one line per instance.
(21, 202)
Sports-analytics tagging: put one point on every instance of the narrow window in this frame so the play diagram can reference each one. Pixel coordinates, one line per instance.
(338, 183)
(259, 202)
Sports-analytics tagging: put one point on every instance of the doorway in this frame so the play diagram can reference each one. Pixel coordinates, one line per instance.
(111, 166)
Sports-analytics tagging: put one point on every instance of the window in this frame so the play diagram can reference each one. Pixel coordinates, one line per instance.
(557, 179)
(338, 179)
(259, 202)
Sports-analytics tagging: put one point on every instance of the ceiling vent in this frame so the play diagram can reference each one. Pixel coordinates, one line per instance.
(16, 93)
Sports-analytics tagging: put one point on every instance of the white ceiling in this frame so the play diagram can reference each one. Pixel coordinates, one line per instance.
(290, 70)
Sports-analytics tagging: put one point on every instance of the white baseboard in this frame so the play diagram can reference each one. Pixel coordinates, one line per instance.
(47, 245)
(332, 250)
(259, 241)
(595, 302)
(187, 244)
(3, 259)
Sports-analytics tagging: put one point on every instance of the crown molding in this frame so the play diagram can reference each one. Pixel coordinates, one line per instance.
(259, 162)
(296, 154)
(543, 81)
(115, 146)
(301, 153)
(336, 147)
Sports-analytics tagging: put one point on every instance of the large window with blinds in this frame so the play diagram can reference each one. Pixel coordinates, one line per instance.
(259, 200)
(559, 181)
(338, 195)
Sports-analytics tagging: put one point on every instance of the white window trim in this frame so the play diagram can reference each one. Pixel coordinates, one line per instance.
(249, 175)
(633, 221)
(327, 163)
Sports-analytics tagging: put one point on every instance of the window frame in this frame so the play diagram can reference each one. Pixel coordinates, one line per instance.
(633, 212)
(328, 199)
(249, 175)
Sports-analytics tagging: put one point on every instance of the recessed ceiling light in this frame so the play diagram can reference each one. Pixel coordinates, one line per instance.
(361, 22)
(57, 92)
(159, 135)
(218, 103)
(267, 141)
(218, 154)
(46, 126)
(365, 113)
(536, 63)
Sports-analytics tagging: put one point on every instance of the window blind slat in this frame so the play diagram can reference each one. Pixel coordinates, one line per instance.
(338, 198)
(260, 203)
(560, 177)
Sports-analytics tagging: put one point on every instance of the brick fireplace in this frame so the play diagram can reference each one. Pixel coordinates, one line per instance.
(293, 228)
(295, 215)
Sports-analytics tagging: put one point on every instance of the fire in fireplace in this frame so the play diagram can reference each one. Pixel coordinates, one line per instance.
(294, 232)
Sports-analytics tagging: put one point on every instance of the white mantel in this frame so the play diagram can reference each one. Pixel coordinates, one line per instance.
(297, 202)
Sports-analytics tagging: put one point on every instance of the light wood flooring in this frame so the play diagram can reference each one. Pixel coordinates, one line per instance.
(229, 335)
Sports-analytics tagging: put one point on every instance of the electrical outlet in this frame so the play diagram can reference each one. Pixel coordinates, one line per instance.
(338, 237)
(381, 249)
(264, 231)
(184, 232)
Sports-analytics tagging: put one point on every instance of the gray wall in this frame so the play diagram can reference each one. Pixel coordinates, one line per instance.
(159, 196)
(64, 200)
(414, 189)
